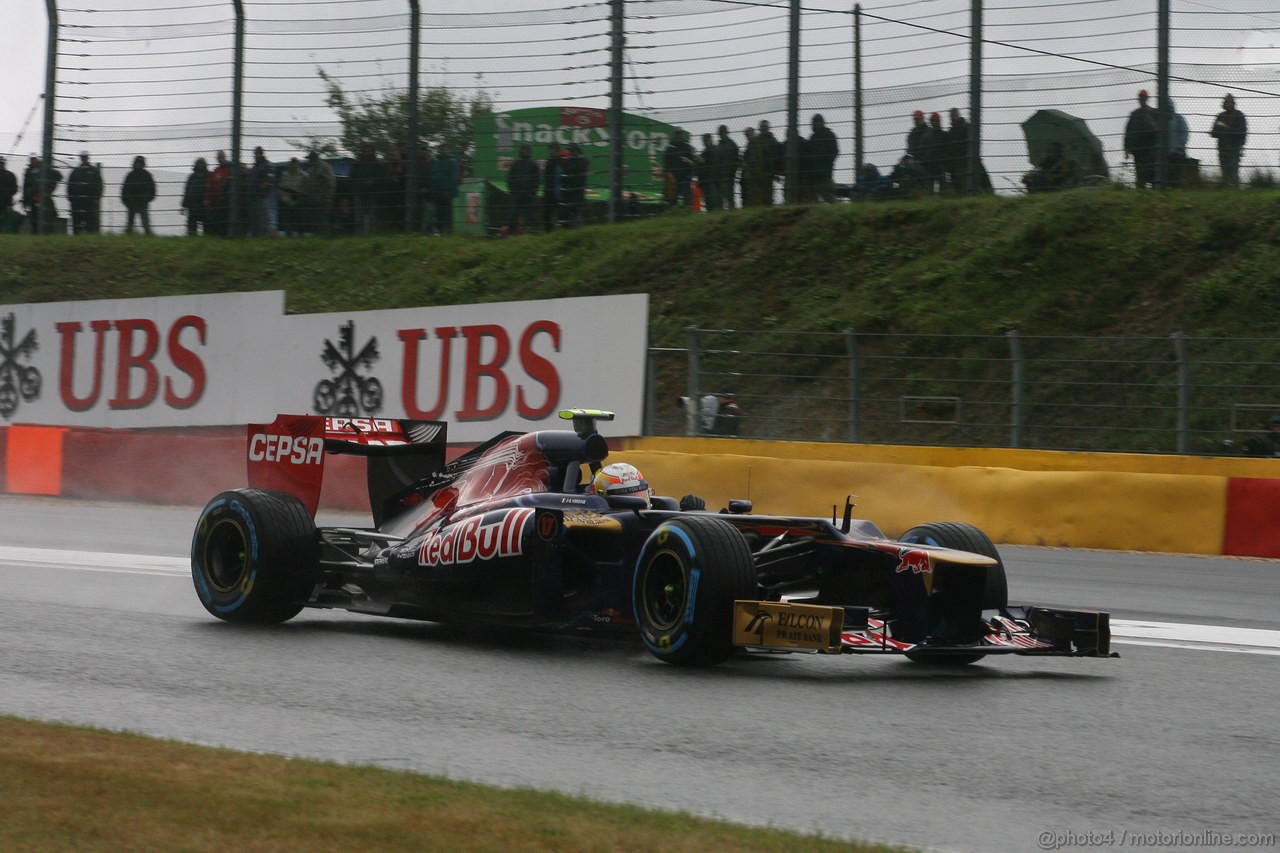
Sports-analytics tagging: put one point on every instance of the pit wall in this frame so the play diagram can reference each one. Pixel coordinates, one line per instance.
(1169, 504)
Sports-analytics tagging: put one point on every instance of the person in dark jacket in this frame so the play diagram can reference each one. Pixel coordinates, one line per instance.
(730, 160)
(193, 197)
(1140, 142)
(573, 191)
(84, 191)
(934, 152)
(444, 176)
(822, 151)
(8, 187)
(37, 196)
(1231, 130)
(709, 168)
(552, 179)
(137, 192)
(678, 163)
(368, 180)
(523, 179)
(1266, 443)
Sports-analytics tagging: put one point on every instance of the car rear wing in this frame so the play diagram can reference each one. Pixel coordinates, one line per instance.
(288, 455)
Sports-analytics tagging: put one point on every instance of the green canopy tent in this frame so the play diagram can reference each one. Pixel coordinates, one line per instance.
(1078, 142)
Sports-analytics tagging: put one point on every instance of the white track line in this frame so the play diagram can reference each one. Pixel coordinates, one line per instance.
(1166, 634)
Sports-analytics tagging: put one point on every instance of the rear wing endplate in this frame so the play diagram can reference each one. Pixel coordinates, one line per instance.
(288, 454)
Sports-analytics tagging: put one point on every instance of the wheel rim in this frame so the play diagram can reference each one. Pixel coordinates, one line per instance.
(663, 591)
(226, 555)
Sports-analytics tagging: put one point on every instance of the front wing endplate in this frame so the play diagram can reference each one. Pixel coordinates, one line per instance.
(781, 625)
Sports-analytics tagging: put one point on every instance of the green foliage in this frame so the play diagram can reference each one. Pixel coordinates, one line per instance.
(443, 117)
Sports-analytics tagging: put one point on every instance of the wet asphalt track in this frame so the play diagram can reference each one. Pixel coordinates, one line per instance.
(1163, 740)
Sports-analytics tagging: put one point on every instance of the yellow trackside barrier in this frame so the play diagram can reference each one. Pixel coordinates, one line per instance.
(1112, 509)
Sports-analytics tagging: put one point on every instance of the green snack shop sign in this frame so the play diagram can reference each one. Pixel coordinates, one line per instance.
(499, 136)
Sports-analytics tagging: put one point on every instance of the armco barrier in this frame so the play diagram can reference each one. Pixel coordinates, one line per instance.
(1116, 501)
(1171, 504)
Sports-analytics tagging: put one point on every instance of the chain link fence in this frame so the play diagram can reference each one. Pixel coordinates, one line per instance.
(183, 79)
(1177, 394)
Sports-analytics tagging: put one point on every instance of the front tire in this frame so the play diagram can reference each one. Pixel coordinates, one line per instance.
(688, 574)
(255, 556)
(995, 593)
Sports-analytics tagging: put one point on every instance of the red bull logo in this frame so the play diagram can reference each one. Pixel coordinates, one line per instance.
(916, 562)
(476, 539)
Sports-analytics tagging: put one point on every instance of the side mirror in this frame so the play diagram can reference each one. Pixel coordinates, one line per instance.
(739, 507)
(631, 502)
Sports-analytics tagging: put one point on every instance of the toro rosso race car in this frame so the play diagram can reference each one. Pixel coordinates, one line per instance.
(512, 534)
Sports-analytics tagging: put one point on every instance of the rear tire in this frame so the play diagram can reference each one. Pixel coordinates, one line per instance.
(688, 574)
(962, 537)
(255, 556)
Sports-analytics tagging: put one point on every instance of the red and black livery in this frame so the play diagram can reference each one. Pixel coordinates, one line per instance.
(508, 534)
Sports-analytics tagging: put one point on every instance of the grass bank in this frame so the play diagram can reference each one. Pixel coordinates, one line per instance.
(1099, 262)
(76, 789)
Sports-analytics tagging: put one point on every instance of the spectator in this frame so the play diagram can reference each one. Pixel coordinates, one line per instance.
(915, 137)
(523, 179)
(37, 195)
(1053, 172)
(573, 190)
(317, 192)
(822, 153)
(752, 171)
(84, 192)
(193, 194)
(802, 193)
(137, 192)
(443, 179)
(1182, 169)
(871, 185)
(258, 190)
(368, 187)
(217, 201)
(1140, 142)
(678, 163)
(397, 180)
(8, 188)
(730, 160)
(426, 210)
(934, 153)
(909, 176)
(774, 157)
(552, 181)
(293, 208)
(709, 168)
(1231, 130)
(1266, 443)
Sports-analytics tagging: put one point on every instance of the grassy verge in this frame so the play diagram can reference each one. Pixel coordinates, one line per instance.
(74, 789)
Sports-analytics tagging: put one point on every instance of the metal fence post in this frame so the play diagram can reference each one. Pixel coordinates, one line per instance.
(855, 385)
(1016, 380)
(695, 380)
(1184, 392)
(975, 98)
(617, 45)
(791, 192)
(857, 92)
(412, 209)
(237, 111)
(44, 222)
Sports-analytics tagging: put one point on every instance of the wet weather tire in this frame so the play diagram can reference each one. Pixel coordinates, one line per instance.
(962, 537)
(689, 573)
(255, 556)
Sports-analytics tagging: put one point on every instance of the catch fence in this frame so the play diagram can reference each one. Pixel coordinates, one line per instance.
(182, 79)
(1177, 394)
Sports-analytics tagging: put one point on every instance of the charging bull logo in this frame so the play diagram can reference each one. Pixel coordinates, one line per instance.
(482, 537)
(916, 562)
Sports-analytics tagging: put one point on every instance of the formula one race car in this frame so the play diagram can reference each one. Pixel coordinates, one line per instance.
(512, 534)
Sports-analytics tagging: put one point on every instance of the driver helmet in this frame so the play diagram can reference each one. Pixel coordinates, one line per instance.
(619, 478)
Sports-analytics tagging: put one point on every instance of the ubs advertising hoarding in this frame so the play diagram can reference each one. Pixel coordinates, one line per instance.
(238, 358)
(499, 136)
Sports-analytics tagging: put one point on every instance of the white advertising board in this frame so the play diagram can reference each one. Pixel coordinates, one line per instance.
(238, 358)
